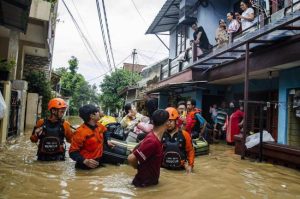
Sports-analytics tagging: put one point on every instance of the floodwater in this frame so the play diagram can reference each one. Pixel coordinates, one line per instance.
(221, 174)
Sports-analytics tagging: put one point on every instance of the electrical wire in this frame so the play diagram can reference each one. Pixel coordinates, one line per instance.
(93, 58)
(103, 35)
(124, 59)
(108, 34)
(106, 73)
(84, 39)
(139, 12)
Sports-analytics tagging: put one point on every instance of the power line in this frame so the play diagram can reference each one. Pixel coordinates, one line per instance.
(123, 60)
(84, 39)
(138, 12)
(146, 24)
(108, 35)
(116, 66)
(96, 77)
(147, 62)
(103, 34)
(93, 58)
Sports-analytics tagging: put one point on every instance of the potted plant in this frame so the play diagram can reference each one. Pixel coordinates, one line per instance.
(5, 68)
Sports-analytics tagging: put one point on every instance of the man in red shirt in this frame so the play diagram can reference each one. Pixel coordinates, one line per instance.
(147, 157)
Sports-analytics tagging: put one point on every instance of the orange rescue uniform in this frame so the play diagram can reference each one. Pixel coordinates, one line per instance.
(88, 142)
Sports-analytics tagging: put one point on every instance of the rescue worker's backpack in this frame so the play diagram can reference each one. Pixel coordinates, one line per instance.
(174, 151)
(52, 138)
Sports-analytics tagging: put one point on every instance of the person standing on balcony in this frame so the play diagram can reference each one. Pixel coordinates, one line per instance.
(221, 34)
(247, 17)
(200, 38)
(234, 26)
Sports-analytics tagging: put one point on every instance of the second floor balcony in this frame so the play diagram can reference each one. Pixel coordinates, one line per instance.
(280, 22)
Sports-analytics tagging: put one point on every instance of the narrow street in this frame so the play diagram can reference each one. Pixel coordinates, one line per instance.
(221, 174)
(150, 99)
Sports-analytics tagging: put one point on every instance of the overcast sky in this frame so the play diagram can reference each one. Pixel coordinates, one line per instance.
(127, 31)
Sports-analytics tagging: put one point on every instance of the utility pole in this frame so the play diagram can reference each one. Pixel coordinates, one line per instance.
(132, 69)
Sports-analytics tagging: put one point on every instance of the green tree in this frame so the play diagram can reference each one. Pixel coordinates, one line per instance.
(38, 83)
(113, 84)
(75, 86)
(73, 65)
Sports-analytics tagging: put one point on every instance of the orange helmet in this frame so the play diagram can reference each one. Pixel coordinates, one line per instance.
(173, 113)
(57, 103)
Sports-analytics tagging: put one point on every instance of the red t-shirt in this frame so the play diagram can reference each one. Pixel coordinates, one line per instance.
(149, 155)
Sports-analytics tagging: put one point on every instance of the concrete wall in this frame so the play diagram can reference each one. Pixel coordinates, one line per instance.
(22, 87)
(31, 110)
(40, 10)
(288, 79)
(35, 33)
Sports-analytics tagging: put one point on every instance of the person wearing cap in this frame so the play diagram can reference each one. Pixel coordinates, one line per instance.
(51, 132)
(88, 141)
(147, 157)
(178, 148)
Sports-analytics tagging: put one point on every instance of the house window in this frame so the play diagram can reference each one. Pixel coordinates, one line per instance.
(182, 39)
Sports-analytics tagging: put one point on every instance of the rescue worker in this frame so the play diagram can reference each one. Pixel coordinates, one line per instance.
(88, 141)
(51, 132)
(177, 144)
(196, 125)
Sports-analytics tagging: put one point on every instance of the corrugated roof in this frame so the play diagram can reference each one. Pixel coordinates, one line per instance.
(166, 19)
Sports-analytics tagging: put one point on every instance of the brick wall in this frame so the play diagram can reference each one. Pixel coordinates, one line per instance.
(36, 63)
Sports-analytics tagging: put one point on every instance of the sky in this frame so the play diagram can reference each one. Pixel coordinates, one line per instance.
(127, 31)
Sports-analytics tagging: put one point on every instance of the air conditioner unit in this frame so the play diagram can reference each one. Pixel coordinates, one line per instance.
(186, 9)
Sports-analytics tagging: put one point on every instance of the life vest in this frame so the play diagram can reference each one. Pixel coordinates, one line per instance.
(191, 120)
(174, 151)
(52, 139)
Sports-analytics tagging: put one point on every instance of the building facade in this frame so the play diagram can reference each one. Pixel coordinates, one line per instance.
(27, 32)
(258, 66)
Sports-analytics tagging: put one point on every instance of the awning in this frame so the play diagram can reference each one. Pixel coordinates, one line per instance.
(166, 19)
(14, 14)
(172, 87)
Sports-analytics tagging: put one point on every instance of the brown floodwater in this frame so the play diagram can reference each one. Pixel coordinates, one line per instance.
(221, 174)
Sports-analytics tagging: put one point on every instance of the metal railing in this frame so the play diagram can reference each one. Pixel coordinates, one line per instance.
(175, 66)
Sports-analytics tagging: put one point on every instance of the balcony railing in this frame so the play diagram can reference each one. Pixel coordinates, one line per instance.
(179, 63)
